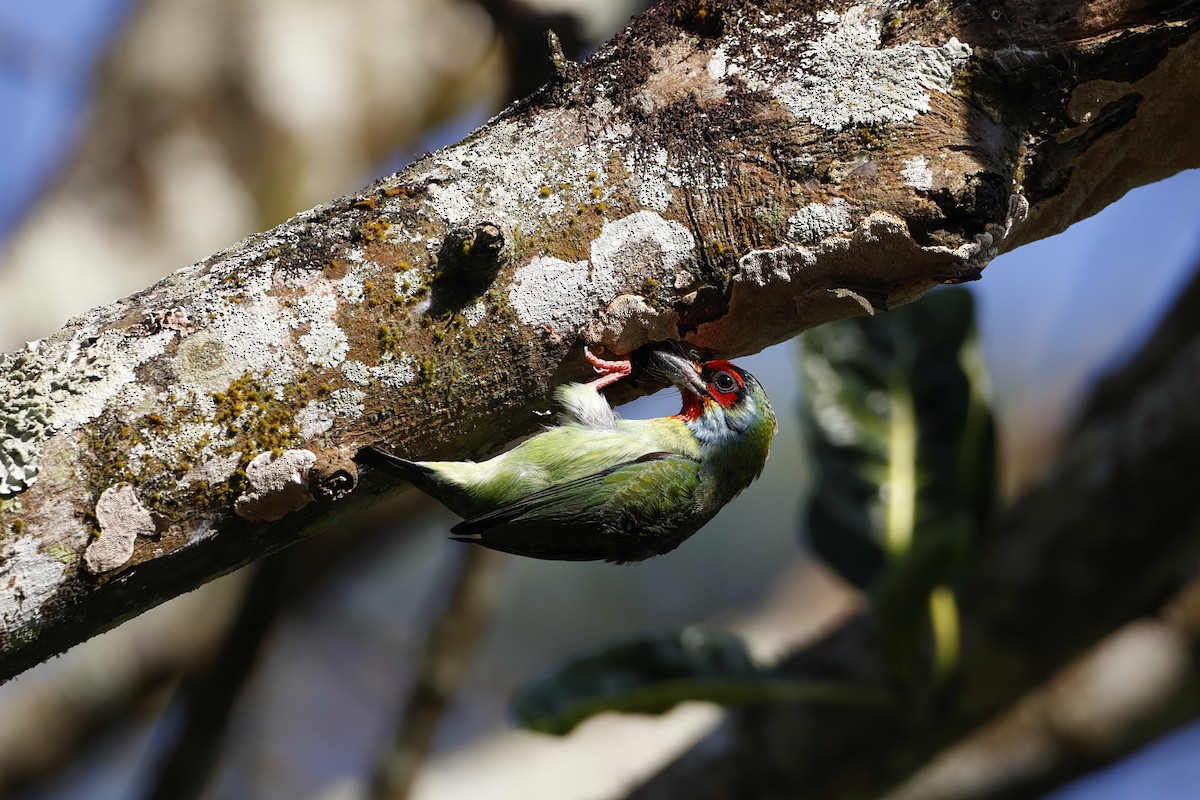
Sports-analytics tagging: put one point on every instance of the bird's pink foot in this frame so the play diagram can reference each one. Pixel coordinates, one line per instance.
(610, 371)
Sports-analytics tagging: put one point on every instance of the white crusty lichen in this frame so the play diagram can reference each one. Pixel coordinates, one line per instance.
(559, 296)
(259, 332)
(408, 281)
(240, 317)
(845, 78)
(517, 172)
(718, 64)
(25, 414)
(351, 288)
(392, 370)
(122, 518)
(314, 419)
(815, 221)
(450, 203)
(555, 295)
(29, 577)
(347, 402)
(917, 174)
(326, 343)
(475, 313)
(278, 485)
(41, 390)
(650, 179)
(643, 239)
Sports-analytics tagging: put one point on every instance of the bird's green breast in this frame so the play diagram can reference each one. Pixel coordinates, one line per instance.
(735, 461)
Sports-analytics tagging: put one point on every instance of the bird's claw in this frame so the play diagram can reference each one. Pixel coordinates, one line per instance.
(610, 371)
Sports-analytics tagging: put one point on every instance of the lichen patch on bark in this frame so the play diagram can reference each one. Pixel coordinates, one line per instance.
(846, 78)
(815, 221)
(29, 577)
(917, 174)
(278, 485)
(122, 518)
(554, 295)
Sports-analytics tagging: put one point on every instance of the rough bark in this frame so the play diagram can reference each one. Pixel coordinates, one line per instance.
(726, 171)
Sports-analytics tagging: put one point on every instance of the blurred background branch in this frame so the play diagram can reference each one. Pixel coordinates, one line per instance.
(472, 589)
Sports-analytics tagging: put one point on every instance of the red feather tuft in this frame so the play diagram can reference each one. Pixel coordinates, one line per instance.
(693, 407)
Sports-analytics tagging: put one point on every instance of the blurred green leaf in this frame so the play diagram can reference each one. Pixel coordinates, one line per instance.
(652, 673)
(902, 440)
(903, 444)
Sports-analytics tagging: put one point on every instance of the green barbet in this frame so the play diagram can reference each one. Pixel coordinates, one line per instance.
(600, 487)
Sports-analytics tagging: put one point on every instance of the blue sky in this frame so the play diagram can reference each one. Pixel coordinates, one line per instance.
(47, 51)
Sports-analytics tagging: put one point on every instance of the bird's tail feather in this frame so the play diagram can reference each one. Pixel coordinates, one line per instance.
(414, 472)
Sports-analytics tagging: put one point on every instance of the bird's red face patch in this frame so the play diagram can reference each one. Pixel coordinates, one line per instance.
(724, 382)
(723, 385)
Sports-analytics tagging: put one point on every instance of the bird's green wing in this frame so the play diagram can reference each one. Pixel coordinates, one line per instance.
(627, 512)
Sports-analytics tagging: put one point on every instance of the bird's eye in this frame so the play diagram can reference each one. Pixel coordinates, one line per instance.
(724, 382)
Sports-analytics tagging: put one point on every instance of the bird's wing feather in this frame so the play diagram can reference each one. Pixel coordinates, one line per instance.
(615, 510)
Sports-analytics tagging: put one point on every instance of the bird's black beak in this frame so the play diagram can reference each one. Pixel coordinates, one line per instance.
(679, 369)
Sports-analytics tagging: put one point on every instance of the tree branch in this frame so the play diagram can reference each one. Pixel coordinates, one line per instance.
(728, 171)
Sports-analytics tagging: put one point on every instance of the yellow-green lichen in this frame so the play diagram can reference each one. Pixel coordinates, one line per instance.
(391, 339)
(774, 216)
(60, 552)
(105, 457)
(722, 248)
(22, 637)
(426, 370)
(650, 287)
(90, 521)
(254, 418)
(415, 289)
(14, 528)
(872, 137)
(374, 229)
